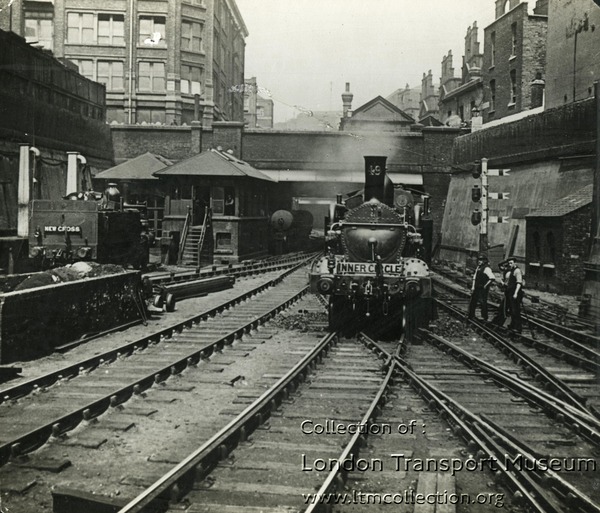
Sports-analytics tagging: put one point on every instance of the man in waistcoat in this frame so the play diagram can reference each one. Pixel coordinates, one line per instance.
(482, 281)
(514, 295)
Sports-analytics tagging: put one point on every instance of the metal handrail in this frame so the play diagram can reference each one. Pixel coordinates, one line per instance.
(184, 234)
(207, 216)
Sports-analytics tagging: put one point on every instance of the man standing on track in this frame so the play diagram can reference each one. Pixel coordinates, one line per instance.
(482, 281)
(514, 295)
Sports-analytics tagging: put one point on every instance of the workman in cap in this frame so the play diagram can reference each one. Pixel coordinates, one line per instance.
(514, 294)
(482, 281)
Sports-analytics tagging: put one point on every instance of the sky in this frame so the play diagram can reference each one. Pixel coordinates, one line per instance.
(304, 51)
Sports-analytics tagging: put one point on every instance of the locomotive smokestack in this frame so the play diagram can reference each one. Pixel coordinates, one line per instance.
(374, 178)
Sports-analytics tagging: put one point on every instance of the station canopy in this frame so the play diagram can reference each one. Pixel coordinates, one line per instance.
(214, 163)
(349, 176)
(138, 168)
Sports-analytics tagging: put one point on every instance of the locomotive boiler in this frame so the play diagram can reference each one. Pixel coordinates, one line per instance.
(376, 264)
(88, 226)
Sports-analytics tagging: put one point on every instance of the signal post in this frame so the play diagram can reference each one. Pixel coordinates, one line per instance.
(482, 194)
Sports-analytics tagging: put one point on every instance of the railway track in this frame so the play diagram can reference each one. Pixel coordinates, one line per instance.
(566, 366)
(292, 449)
(63, 407)
(246, 268)
(530, 425)
(269, 457)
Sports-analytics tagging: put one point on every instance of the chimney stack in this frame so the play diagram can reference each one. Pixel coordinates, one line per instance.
(347, 101)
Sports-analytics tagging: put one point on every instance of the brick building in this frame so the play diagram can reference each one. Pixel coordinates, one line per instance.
(572, 51)
(377, 114)
(462, 97)
(407, 100)
(429, 97)
(514, 57)
(153, 56)
(258, 111)
(558, 241)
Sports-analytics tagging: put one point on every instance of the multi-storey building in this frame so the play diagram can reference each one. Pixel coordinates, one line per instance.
(429, 97)
(572, 51)
(407, 100)
(462, 97)
(514, 57)
(154, 56)
(258, 111)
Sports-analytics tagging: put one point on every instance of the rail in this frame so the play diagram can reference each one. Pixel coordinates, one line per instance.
(219, 445)
(486, 439)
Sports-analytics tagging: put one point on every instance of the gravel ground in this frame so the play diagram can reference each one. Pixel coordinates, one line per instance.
(157, 442)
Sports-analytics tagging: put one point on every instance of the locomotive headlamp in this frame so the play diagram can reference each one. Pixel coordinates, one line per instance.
(412, 288)
(476, 194)
(475, 217)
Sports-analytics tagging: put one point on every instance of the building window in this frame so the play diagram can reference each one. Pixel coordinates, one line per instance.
(152, 30)
(110, 73)
(81, 28)
(111, 29)
(223, 241)
(90, 28)
(151, 76)
(513, 32)
(191, 79)
(191, 36)
(493, 49)
(86, 67)
(513, 87)
(218, 200)
(40, 30)
(492, 95)
(157, 116)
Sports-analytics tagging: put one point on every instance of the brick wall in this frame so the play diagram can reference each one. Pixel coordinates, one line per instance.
(172, 142)
(571, 235)
(566, 23)
(561, 131)
(427, 152)
(576, 230)
(535, 29)
(528, 58)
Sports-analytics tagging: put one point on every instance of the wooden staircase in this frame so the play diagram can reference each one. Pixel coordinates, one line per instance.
(198, 247)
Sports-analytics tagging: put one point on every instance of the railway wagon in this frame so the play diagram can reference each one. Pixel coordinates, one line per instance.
(378, 250)
(68, 230)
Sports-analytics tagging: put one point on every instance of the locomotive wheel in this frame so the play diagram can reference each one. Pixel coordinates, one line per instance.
(170, 303)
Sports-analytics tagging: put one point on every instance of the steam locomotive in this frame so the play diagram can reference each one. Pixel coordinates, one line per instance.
(378, 250)
(88, 226)
(290, 230)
